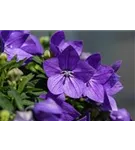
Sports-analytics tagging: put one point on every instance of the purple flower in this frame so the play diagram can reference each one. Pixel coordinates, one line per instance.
(120, 115)
(112, 87)
(104, 83)
(24, 116)
(54, 108)
(58, 43)
(95, 86)
(67, 73)
(20, 43)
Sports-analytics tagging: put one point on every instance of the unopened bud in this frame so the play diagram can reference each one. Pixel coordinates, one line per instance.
(4, 115)
(45, 41)
(3, 58)
(47, 54)
(15, 74)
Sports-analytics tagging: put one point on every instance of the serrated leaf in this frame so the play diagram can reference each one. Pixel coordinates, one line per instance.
(5, 103)
(24, 82)
(27, 103)
(17, 98)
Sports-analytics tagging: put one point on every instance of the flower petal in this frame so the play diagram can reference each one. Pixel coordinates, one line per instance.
(51, 67)
(120, 115)
(68, 59)
(57, 38)
(69, 112)
(32, 46)
(18, 52)
(115, 89)
(55, 84)
(94, 91)
(83, 71)
(117, 65)
(4, 34)
(16, 39)
(103, 74)
(73, 87)
(94, 60)
(109, 103)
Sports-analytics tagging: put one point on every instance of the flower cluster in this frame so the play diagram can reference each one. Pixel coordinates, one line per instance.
(78, 86)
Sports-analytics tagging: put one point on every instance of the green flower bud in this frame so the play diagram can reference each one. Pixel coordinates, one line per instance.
(47, 54)
(4, 115)
(14, 74)
(3, 58)
(45, 41)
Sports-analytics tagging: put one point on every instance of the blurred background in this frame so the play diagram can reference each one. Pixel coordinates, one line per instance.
(113, 45)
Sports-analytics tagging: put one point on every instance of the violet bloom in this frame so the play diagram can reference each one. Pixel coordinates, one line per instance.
(120, 115)
(58, 43)
(112, 87)
(54, 108)
(24, 116)
(95, 86)
(67, 73)
(19, 43)
(107, 82)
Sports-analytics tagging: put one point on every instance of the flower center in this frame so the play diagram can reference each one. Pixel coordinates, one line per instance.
(67, 73)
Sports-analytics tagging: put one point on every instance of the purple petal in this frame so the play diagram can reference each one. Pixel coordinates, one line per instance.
(85, 55)
(94, 60)
(57, 38)
(17, 51)
(103, 74)
(69, 112)
(4, 34)
(120, 115)
(113, 90)
(117, 65)
(24, 116)
(16, 39)
(51, 67)
(83, 71)
(73, 87)
(47, 110)
(78, 46)
(68, 59)
(94, 91)
(58, 98)
(33, 46)
(55, 84)
(109, 103)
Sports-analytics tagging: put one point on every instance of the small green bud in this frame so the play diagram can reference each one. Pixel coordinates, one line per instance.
(15, 74)
(47, 54)
(4, 115)
(3, 58)
(44, 40)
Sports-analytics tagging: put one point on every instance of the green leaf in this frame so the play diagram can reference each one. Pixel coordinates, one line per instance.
(24, 96)
(24, 82)
(41, 76)
(17, 98)
(27, 103)
(5, 103)
(37, 59)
